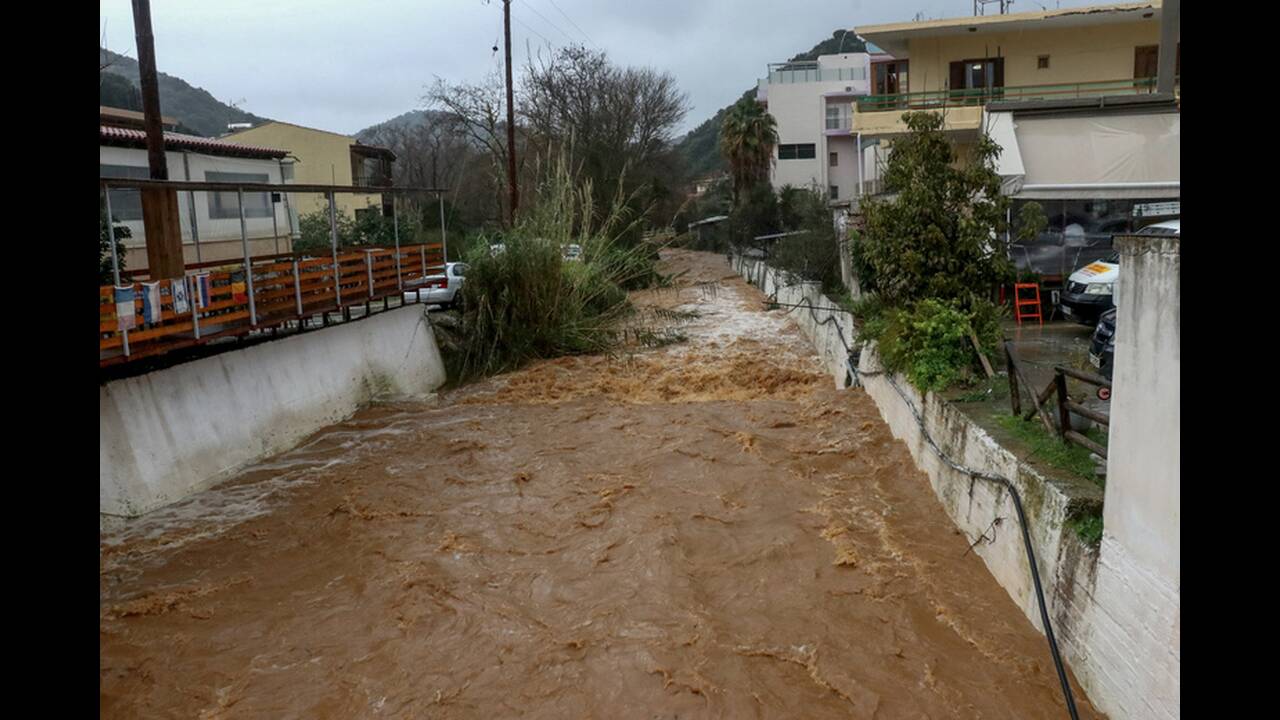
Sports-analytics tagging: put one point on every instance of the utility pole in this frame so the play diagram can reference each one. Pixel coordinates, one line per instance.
(1166, 60)
(160, 221)
(511, 122)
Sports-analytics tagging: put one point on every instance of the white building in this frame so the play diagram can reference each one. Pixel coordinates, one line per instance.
(812, 102)
(210, 220)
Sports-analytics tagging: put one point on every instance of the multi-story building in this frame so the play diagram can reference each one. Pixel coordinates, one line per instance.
(811, 102)
(1070, 96)
(327, 158)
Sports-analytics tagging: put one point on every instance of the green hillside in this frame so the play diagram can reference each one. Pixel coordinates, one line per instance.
(194, 108)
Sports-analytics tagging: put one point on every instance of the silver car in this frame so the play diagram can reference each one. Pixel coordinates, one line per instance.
(437, 289)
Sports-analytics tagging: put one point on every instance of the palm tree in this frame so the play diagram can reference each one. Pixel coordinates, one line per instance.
(747, 137)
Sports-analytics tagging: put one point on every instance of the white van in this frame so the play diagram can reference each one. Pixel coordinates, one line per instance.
(1090, 290)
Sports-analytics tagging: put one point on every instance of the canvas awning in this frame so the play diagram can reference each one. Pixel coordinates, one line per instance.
(1089, 156)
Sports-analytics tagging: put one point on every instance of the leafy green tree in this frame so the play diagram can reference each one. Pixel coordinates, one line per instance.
(747, 138)
(941, 235)
(815, 253)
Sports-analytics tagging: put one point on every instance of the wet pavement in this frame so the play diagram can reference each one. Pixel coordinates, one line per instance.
(703, 530)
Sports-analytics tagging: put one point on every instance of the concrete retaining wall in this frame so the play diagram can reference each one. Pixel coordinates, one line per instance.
(1115, 615)
(819, 325)
(175, 431)
(1134, 619)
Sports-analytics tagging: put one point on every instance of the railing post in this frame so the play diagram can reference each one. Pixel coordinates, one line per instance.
(422, 252)
(1064, 415)
(368, 267)
(248, 263)
(297, 288)
(333, 241)
(395, 223)
(195, 306)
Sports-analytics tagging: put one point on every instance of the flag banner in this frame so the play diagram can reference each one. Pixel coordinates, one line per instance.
(204, 290)
(238, 292)
(151, 303)
(124, 307)
(178, 290)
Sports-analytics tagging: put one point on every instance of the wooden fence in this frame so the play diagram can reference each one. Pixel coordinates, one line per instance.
(278, 291)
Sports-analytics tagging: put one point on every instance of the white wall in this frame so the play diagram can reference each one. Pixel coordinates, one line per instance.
(175, 431)
(210, 230)
(1138, 610)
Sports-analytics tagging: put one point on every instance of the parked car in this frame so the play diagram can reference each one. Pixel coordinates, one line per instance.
(438, 289)
(1090, 290)
(1102, 349)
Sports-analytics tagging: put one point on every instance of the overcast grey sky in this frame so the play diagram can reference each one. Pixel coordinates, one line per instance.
(343, 65)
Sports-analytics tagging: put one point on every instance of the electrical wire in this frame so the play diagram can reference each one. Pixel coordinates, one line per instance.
(973, 475)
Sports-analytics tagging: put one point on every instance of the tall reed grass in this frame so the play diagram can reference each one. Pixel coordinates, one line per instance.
(526, 302)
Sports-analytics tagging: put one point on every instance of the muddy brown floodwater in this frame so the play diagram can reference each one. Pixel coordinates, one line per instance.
(704, 530)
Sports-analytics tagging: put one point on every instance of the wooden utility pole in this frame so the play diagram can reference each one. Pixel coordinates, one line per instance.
(160, 221)
(511, 122)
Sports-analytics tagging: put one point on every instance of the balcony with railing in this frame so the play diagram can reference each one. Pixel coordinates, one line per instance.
(882, 113)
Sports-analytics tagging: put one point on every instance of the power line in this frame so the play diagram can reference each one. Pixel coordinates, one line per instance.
(535, 32)
(567, 36)
(574, 24)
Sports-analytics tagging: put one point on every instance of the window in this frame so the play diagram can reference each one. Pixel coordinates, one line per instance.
(1042, 62)
(833, 159)
(889, 78)
(802, 151)
(226, 205)
(834, 191)
(126, 205)
(838, 116)
(979, 74)
(1146, 61)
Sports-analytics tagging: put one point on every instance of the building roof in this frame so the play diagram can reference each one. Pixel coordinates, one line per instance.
(128, 137)
(893, 37)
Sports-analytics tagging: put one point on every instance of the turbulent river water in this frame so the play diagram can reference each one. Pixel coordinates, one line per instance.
(708, 529)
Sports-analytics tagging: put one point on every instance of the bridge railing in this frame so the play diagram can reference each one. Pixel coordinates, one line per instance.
(271, 293)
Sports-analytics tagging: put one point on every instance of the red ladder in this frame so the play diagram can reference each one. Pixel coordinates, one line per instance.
(1020, 302)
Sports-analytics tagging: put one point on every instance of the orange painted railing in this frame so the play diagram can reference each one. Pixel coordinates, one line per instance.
(279, 292)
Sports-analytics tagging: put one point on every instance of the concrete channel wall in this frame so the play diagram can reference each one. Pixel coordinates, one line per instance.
(172, 432)
(1089, 601)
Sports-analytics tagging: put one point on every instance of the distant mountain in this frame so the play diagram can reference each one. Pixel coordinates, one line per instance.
(194, 108)
(403, 120)
(701, 147)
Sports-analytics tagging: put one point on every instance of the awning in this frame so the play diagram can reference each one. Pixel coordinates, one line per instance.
(1092, 156)
(1009, 164)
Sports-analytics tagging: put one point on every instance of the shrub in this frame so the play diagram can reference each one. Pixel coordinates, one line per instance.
(929, 342)
(526, 302)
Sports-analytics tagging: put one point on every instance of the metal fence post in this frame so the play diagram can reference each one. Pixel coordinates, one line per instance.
(297, 288)
(333, 241)
(115, 264)
(368, 267)
(248, 263)
(195, 306)
(395, 223)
